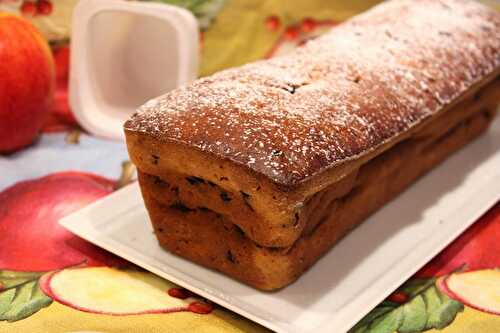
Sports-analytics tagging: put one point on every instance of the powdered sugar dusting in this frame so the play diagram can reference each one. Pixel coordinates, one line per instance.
(337, 97)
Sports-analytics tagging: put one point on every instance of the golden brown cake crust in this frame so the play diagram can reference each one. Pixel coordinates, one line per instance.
(337, 98)
(214, 240)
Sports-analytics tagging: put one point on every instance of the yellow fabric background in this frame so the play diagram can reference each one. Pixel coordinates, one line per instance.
(58, 318)
(239, 34)
(472, 321)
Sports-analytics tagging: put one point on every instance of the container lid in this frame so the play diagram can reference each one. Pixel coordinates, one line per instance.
(125, 53)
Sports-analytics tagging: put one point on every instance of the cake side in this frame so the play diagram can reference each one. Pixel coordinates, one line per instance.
(211, 239)
(337, 98)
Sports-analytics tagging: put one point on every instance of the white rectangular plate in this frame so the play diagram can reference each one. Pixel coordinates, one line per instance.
(353, 277)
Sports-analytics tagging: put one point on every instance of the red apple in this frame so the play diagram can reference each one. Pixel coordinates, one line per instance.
(477, 248)
(31, 238)
(27, 82)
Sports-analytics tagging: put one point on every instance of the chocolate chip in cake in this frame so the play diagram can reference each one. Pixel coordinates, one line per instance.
(444, 33)
(155, 159)
(277, 152)
(160, 182)
(296, 222)
(485, 28)
(230, 257)
(239, 231)
(195, 180)
(477, 96)
(292, 88)
(225, 196)
(223, 178)
(246, 199)
(487, 114)
(181, 207)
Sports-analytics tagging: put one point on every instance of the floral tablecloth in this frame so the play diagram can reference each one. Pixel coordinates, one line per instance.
(53, 281)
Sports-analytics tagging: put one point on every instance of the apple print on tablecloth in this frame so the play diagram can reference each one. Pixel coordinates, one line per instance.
(294, 34)
(479, 290)
(33, 242)
(36, 251)
(110, 291)
(466, 273)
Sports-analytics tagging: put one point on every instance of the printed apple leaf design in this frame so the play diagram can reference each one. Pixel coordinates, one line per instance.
(426, 308)
(20, 295)
(204, 10)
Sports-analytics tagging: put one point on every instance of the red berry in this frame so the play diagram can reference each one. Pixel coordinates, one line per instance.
(44, 7)
(200, 307)
(179, 293)
(273, 23)
(398, 297)
(308, 24)
(28, 8)
(291, 33)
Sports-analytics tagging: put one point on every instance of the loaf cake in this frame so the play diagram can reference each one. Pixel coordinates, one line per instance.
(257, 171)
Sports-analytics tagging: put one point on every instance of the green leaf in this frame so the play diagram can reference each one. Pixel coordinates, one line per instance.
(21, 295)
(416, 286)
(6, 298)
(426, 308)
(387, 323)
(414, 316)
(444, 309)
(9, 279)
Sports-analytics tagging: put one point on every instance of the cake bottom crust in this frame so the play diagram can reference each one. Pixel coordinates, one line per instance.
(208, 238)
